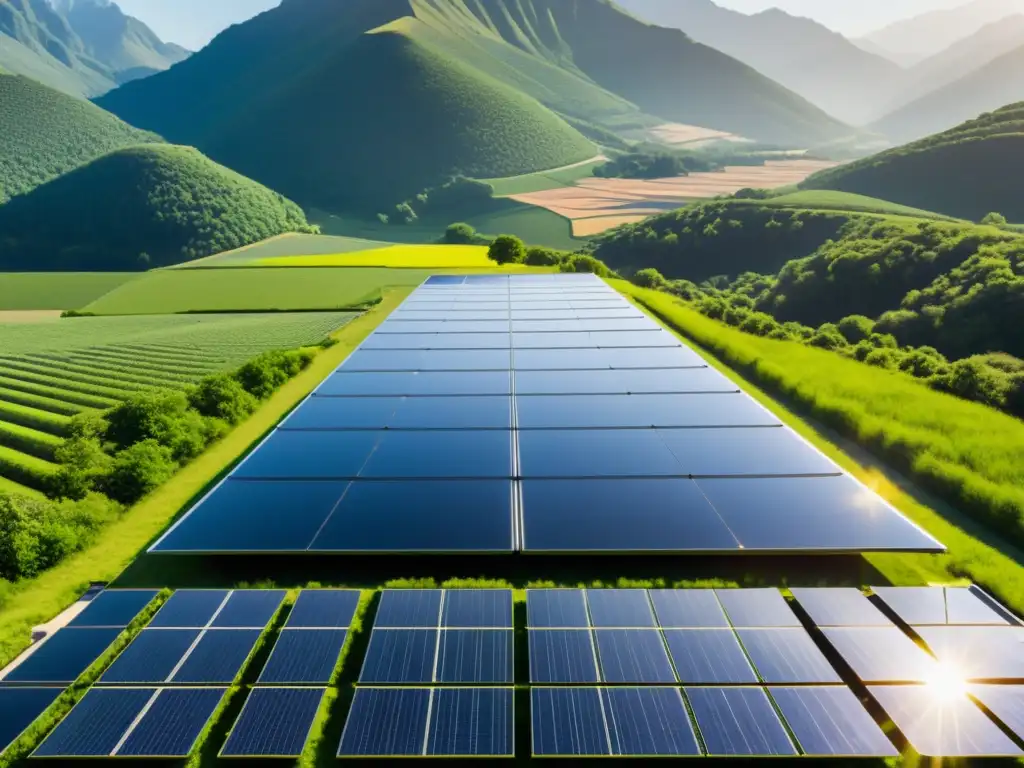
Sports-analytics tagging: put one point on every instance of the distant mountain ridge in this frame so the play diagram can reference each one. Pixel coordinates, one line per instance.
(81, 47)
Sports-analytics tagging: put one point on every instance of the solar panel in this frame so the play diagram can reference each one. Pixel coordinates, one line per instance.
(633, 656)
(249, 608)
(96, 725)
(1006, 702)
(839, 607)
(745, 451)
(709, 656)
(475, 656)
(596, 453)
(882, 654)
(63, 656)
(188, 608)
(688, 608)
(562, 656)
(469, 608)
(943, 724)
(969, 605)
(738, 722)
(171, 726)
(19, 708)
(787, 656)
(437, 341)
(400, 656)
(919, 606)
(556, 608)
(275, 722)
(323, 609)
(978, 653)
(475, 722)
(620, 608)
(402, 413)
(640, 411)
(624, 382)
(421, 384)
(447, 453)
(409, 608)
(114, 608)
(432, 360)
(830, 721)
(304, 656)
(765, 607)
(151, 657)
(218, 657)
(386, 722)
(568, 722)
(648, 722)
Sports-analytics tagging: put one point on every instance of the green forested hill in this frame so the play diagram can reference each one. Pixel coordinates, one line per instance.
(968, 171)
(271, 88)
(44, 133)
(135, 208)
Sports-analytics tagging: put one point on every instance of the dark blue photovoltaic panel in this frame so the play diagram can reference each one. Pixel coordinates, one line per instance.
(616, 411)
(475, 656)
(649, 722)
(430, 360)
(309, 455)
(477, 608)
(764, 607)
(839, 607)
(443, 326)
(438, 341)
(151, 656)
(425, 383)
(425, 516)
(575, 326)
(882, 654)
(824, 513)
(114, 608)
(409, 608)
(568, 722)
(978, 653)
(275, 722)
(620, 608)
(593, 358)
(596, 453)
(633, 656)
(787, 656)
(687, 608)
(602, 515)
(250, 608)
(243, 516)
(188, 608)
(386, 722)
(562, 656)
(470, 454)
(556, 608)
(830, 721)
(218, 657)
(942, 726)
(449, 312)
(622, 382)
(768, 451)
(922, 606)
(472, 721)
(1005, 701)
(343, 413)
(400, 656)
(324, 608)
(19, 708)
(739, 721)
(64, 656)
(709, 657)
(173, 724)
(452, 413)
(304, 656)
(96, 724)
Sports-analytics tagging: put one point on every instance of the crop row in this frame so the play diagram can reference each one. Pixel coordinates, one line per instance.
(124, 374)
(57, 392)
(27, 470)
(30, 441)
(41, 402)
(33, 418)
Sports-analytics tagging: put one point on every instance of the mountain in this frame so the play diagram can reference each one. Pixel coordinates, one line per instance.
(140, 207)
(479, 87)
(912, 40)
(961, 59)
(81, 47)
(45, 133)
(999, 82)
(969, 171)
(801, 54)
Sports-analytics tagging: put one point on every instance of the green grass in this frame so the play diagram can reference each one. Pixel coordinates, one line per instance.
(56, 290)
(25, 416)
(9, 486)
(830, 200)
(286, 245)
(30, 441)
(543, 180)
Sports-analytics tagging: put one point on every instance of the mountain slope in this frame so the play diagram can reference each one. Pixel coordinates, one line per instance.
(969, 171)
(44, 133)
(999, 82)
(801, 54)
(170, 203)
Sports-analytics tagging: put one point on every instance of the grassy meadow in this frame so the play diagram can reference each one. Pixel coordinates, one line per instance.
(56, 290)
(829, 200)
(543, 180)
(285, 245)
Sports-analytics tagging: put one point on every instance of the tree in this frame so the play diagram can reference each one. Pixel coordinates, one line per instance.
(507, 249)
(994, 219)
(460, 233)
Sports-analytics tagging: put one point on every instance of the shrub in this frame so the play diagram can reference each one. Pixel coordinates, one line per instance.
(507, 249)
(650, 278)
(223, 397)
(262, 375)
(923, 362)
(460, 234)
(581, 262)
(994, 219)
(856, 328)
(139, 469)
(163, 416)
(828, 337)
(543, 257)
(973, 380)
(83, 468)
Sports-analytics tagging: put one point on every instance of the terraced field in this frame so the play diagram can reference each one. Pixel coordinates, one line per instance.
(52, 370)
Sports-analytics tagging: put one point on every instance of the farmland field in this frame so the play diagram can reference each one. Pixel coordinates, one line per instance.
(56, 290)
(285, 245)
(536, 182)
(395, 256)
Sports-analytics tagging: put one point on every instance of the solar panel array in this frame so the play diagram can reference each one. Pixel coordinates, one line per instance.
(531, 413)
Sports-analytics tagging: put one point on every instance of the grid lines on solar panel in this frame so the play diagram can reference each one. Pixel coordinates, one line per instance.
(172, 724)
(739, 722)
(839, 607)
(274, 722)
(64, 656)
(114, 608)
(19, 708)
(922, 606)
(324, 609)
(882, 654)
(1006, 702)
(831, 721)
(97, 724)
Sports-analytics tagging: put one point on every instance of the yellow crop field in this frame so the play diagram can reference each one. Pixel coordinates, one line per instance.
(395, 256)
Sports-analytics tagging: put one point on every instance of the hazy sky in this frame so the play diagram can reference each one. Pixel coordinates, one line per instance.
(193, 23)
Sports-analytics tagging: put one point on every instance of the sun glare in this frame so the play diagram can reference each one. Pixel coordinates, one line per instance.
(947, 682)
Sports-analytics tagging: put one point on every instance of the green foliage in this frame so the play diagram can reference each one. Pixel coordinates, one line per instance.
(170, 202)
(637, 165)
(537, 256)
(994, 219)
(84, 467)
(507, 249)
(223, 397)
(162, 416)
(856, 328)
(139, 469)
(582, 262)
(264, 374)
(463, 234)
